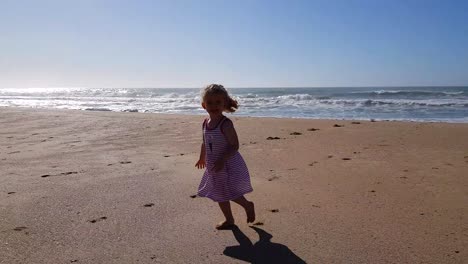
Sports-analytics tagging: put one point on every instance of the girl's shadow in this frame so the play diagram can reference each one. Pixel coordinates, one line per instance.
(264, 251)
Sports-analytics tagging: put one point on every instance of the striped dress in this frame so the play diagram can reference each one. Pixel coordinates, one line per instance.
(233, 180)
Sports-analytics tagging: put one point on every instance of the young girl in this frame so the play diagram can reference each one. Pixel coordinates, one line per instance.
(226, 177)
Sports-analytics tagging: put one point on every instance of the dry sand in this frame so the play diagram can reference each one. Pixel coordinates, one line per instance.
(103, 187)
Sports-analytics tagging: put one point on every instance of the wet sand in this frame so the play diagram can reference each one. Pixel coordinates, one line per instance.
(104, 187)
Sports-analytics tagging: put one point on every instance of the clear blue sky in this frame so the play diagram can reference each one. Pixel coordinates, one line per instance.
(97, 43)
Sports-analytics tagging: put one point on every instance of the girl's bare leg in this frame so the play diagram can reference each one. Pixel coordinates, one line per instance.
(226, 209)
(248, 206)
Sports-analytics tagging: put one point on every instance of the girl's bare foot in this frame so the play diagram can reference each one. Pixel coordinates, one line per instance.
(225, 225)
(250, 210)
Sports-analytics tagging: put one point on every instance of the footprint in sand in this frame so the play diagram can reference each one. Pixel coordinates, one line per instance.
(68, 173)
(273, 178)
(99, 219)
(295, 133)
(272, 138)
(63, 173)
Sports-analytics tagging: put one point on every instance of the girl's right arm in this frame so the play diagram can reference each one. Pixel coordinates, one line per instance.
(201, 163)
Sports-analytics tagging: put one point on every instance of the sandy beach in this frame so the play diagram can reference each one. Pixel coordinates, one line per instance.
(106, 187)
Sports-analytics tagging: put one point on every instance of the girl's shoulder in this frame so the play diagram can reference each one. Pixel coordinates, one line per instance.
(226, 124)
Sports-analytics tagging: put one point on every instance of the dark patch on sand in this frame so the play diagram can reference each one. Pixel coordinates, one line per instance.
(193, 196)
(355, 123)
(336, 125)
(273, 178)
(14, 152)
(313, 129)
(99, 219)
(330, 156)
(166, 156)
(148, 205)
(125, 162)
(295, 133)
(19, 228)
(68, 173)
(11, 192)
(346, 159)
(274, 210)
(258, 224)
(272, 138)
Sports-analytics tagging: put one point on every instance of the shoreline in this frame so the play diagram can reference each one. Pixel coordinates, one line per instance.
(240, 116)
(100, 187)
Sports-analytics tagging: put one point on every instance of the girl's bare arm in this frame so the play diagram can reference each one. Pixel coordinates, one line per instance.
(231, 137)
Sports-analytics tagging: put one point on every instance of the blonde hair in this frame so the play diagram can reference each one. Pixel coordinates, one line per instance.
(217, 89)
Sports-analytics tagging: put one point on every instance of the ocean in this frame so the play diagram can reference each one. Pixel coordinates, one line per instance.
(426, 104)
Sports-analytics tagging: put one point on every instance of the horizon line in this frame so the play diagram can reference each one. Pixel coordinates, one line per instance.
(244, 87)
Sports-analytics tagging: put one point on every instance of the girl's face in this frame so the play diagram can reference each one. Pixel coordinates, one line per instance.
(214, 104)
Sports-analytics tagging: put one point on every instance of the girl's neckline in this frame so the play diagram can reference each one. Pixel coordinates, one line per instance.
(219, 122)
